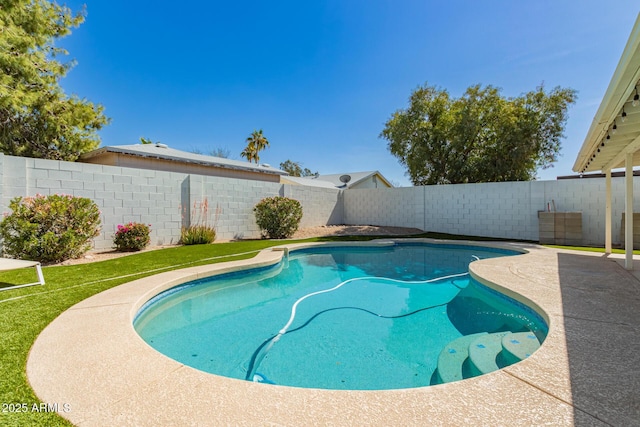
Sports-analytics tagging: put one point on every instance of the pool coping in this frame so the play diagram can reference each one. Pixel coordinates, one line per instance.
(91, 360)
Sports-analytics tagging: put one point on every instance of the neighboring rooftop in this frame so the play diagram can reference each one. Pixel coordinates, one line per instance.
(161, 157)
(309, 181)
(369, 179)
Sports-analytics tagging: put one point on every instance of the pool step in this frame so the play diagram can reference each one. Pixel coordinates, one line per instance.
(519, 346)
(483, 352)
(452, 357)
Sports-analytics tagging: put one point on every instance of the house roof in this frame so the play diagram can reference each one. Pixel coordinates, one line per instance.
(615, 130)
(355, 178)
(333, 180)
(308, 181)
(162, 151)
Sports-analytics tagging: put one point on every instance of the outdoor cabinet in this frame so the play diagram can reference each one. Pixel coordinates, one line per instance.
(560, 228)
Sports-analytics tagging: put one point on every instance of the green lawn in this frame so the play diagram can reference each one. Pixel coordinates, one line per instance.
(590, 249)
(25, 312)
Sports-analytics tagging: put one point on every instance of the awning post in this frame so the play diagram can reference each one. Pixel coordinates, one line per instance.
(628, 216)
(607, 214)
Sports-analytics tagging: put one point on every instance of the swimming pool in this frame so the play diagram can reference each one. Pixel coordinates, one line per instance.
(397, 317)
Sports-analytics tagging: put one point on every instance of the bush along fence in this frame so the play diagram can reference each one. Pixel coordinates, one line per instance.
(278, 217)
(49, 228)
(130, 237)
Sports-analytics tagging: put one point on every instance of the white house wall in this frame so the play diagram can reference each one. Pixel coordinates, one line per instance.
(363, 185)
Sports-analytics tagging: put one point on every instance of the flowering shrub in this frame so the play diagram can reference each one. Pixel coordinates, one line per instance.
(278, 217)
(49, 228)
(131, 237)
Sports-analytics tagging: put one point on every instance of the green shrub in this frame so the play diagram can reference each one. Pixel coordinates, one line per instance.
(278, 217)
(131, 237)
(49, 228)
(199, 234)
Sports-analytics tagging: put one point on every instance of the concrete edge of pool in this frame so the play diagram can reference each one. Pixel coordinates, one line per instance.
(91, 358)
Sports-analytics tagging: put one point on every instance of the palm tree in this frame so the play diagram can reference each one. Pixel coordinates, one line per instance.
(250, 153)
(256, 142)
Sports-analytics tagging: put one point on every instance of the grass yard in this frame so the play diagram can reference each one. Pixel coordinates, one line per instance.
(25, 312)
(589, 249)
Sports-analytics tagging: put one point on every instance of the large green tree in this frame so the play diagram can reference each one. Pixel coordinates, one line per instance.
(37, 119)
(480, 137)
(256, 142)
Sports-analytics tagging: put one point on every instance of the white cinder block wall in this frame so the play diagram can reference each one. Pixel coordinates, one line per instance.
(159, 198)
(122, 194)
(320, 206)
(507, 210)
(496, 210)
(399, 207)
(235, 199)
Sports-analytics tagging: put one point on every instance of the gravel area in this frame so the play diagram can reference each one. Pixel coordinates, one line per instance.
(304, 233)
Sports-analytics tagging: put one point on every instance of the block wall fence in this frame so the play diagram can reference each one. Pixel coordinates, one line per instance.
(160, 198)
(506, 210)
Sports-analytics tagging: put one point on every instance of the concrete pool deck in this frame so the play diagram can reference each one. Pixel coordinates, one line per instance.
(587, 372)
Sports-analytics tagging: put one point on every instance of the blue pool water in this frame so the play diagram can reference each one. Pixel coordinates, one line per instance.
(383, 327)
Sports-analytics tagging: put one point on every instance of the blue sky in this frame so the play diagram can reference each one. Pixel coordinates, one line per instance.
(321, 78)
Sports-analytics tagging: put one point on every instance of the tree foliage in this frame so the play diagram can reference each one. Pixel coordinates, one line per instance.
(256, 142)
(222, 152)
(295, 169)
(37, 119)
(479, 137)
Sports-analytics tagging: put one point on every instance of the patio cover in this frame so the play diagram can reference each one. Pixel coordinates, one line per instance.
(613, 140)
